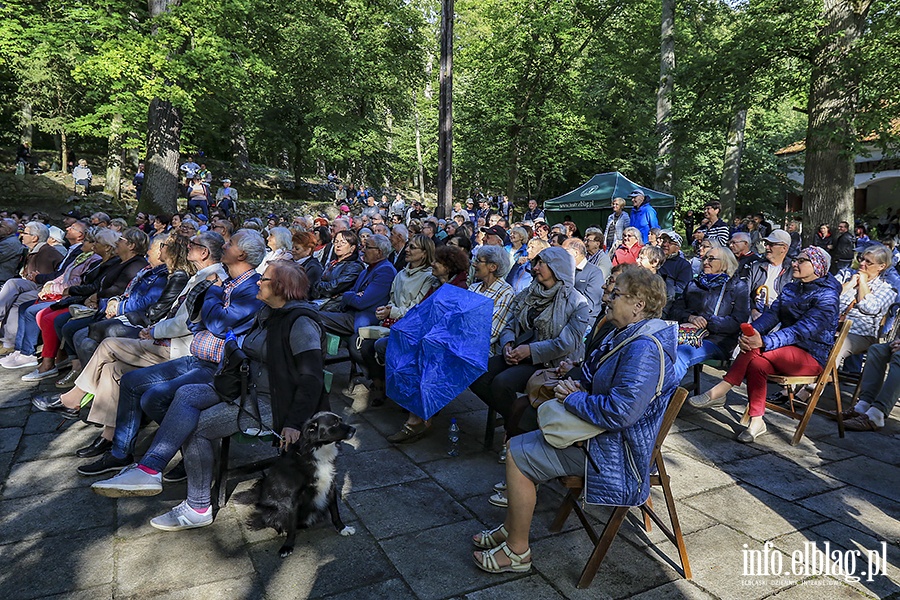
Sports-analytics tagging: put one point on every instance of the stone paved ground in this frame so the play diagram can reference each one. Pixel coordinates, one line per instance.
(414, 508)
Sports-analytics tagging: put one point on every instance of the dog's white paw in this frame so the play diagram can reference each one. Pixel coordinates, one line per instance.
(348, 530)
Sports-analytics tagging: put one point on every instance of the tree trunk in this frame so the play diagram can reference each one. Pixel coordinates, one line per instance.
(731, 170)
(419, 159)
(63, 152)
(664, 134)
(240, 153)
(115, 156)
(445, 111)
(27, 126)
(831, 142)
(160, 190)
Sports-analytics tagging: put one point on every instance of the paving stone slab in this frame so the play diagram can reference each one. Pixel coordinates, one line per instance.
(549, 497)
(414, 556)
(103, 591)
(323, 563)
(6, 460)
(809, 453)
(533, 587)
(9, 438)
(37, 568)
(392, 589)
(404, 508)
(876, 445)
(366, 438)
(625, 570)
(435, 445)
(869, 513)
(467, 476)
(689, 476)
(57, 445)
(375, 469)
(42, 477)
(753, 511)
(133, 514)
(16, 416)
(782, 477)
(717, 563)
(244, 587)
(14, 395)
(840, 538)
(866, 473)
(188, 558)
(709, 447)
(45, 422)
(59, 512)
(680, 588)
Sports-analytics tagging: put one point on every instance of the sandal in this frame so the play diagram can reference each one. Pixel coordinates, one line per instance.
(518, 563)
(490, 538)
(410, 433)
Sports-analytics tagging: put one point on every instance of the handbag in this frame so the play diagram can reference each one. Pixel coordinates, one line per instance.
(691, 335)
(562, 428)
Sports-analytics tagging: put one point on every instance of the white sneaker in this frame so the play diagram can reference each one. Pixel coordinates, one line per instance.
(8, 358)
(19, 361)
(131, 481)
(36, 375)
(182, 517)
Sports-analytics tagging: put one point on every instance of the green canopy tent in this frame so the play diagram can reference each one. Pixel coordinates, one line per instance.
(591, 204)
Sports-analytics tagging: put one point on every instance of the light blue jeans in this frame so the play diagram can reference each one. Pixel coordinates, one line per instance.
(687, 356)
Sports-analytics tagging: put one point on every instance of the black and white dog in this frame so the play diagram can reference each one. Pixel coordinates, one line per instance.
(300, 487)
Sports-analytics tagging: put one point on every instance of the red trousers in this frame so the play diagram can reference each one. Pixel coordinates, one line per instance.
(754, 366)
(48, 331)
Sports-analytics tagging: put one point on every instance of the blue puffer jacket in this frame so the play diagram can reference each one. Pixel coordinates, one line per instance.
(808, 315)
(644, 219)
(623, 401)
(146, 288)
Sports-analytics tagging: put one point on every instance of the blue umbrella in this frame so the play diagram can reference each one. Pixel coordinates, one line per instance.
(437, 349)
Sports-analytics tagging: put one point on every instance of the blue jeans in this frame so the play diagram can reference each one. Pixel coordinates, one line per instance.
(179, 423)
(151, 390)
(687, 356)
(28, 332)
(68, 331)
(203, 205)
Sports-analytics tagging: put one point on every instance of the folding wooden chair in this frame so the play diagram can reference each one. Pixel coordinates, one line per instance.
(829, 375)
(575, 487)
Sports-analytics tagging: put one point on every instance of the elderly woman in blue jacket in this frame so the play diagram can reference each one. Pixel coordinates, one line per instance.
(714, 302)
(807, 313)
(617, 393)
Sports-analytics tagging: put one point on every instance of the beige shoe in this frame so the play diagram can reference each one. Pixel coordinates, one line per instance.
(4, 351)
(751, 433)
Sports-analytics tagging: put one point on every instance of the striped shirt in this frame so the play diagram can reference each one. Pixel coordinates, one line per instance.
(502, 294)
(720, 231)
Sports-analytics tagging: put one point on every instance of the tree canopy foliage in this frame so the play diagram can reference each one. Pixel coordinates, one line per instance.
(547, 93)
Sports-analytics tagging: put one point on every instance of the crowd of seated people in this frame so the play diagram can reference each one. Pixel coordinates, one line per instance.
(140, 316)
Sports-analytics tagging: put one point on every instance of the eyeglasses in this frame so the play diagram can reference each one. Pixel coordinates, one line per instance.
(197, 244)
(261, 279)
(617, 293)
(800, 260)
(367, 247)
(628, 236)
(482, 261)
(868, 261)
(708, 258)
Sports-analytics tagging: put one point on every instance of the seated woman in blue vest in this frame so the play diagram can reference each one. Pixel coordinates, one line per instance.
(619, 391)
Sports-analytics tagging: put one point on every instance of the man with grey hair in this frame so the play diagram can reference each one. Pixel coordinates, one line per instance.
(216, 308)
(371, 290)
(100, 219)
(589, 278)
(42, 259)
(596, 255)
(491, 265)
(740, 246)
(399, 237)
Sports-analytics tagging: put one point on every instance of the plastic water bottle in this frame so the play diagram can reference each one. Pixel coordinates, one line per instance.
(453, 436)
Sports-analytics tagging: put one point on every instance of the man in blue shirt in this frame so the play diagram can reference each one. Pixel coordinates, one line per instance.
(643, 216)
